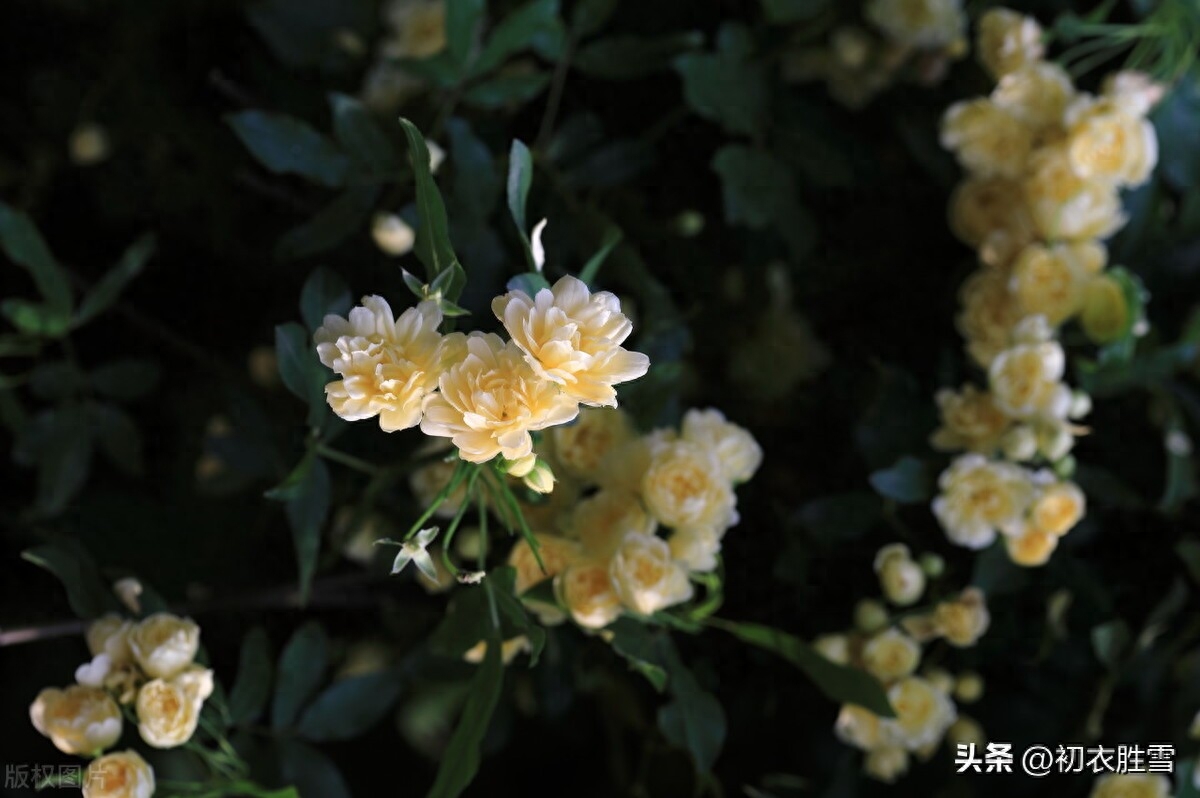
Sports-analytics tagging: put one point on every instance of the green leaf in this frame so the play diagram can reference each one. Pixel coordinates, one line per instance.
(252, 689)
(1177, 125)
(125, 379)
(313, 774)
(24, 246)
(625, 57)
(35, 319)
(361, 137)
(300, 671)
(785, 12)
(589, 16)
(105, 293)
(301, 369)
(59, 443)
(507, 90)
(288, 146)
(350, 707)
(906, 482)
(66, 558)
(520, 177)
(433, 245)
(996, 574)
(759, 192)
(463, 18)
(331, 225)
(513, 612)
(460, 763)
(519, 31)
(612, 238)
(638, 644)
(118, 437)
(839, 683)
(695, 722)
(306, 492)
(476, 185)
(301, 32)
(727, 87)
(324, 293)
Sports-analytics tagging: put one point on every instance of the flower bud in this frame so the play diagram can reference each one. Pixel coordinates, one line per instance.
(119, 775)
(392, 234)
(965, 731)
(1019, 444)
(1105, 314)
(520, 468)
(969, 687)
(932, 564)
(89, 145)
(541, 478)
(870, 616)
(1081, 405)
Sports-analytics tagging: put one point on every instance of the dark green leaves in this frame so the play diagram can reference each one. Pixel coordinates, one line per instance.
(906, 482)
(463, 18)
(759, 192)
(433, 245)
(533, 25)
(306, 493)
(288, 146)
(105, 293)
(637, 643)
(301, 669)
(301, 369)
(838, 682)
(66, 558)
(343, 217)
(24, 246)
(693, 720)
(350, 707)
(727, 86)
(324, 293)
(626, 57)
(252, 689)
(362, 138)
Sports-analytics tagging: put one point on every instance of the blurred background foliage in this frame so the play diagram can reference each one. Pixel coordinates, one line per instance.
(205, 175)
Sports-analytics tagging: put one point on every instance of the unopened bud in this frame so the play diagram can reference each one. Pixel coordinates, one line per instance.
(540, 479)
(870, 616)
(392, 234)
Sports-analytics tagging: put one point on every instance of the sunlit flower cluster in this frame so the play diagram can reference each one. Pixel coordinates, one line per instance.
(890, 649)
(917, 38)
(149, 664)
(484, 393)
(1045, 164)
(634, 516)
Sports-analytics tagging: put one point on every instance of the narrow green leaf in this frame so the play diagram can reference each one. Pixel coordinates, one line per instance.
(350, 707)
(520, 177)
(66, 558)
(638, 645)
(507, 90)
(313, 774)
(324, 293)
(361, 137)
(252, 688)
(462, 23)
(518, 31)
(589, 16)
(301, 369)
(300, 671)
(288, 146)
(109, 288)
(695, 722)
(612, 237)
(35, 319)
(433, 245)
(728, 86)
(306, 492)
(24, 246)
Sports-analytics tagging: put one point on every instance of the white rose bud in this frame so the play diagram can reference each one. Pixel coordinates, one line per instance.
(110, 635)
(78, 720)
(392, 234)
(645, 577)
(521, 468)
(164, 644)
(169, 710)
(1020, 443)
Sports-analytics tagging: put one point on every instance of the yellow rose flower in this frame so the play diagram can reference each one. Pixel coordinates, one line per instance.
(625, 466)
(891, 655)
(1108, 144)
(509, 650)
(979, 497)
(645, 577)
(734, 448)
(123, 774)
(923, 713)
(1032, 547)
(580, 447)
(988, 316)
(962, 621)
(1105, 313)
(387, 365)
(970, 421)
(1050, 281)
(587, 592)
(573, 338)
(696, 547)
(419, 28)
(858, 727)
(1037, 94)
(1063, 204)
(1007, 41)
(109, 635)
(168, 710)
(164, 644)
(901, 579)
(1135, 92)
(491, 400)
(886, 764)
(78, 720)
(926, 24)
(1131, 785)
(989, 213)
(1026, 379)
(557, 553)
(1058, 508)
(987, 139)
(603, 519)
(684, 486)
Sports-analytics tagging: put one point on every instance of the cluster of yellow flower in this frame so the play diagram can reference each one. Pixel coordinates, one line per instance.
(483, 393)
(1045, 165)
(858, 64)
(890, 650)
(412, 29)
(150, 664)
(1132, 785)
(598, 535)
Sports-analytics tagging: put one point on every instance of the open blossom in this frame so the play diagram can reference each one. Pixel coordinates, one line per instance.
(886, 763)
(122, 774)
(696, 547)
(1008, 41)
(109, 635)
(1050, 281)
(989, 213)
(168, 710)
(601, 521)
(387, 365)
(989, 313)
(902, 579)
(1109, 144)
(1026, 379)
(417, 28)
(573, 338)
(923, 713)
(858, 727)
(78, 719)
(979, 497)
(962, 621)
(1136, 92)
(645, 577)
(1038, 95)
(891, 655)
(586, 590)
(970, 420)
(987, 139)
(1065, 205)
(738, 454)
(1032, 547)
(581, 446)
(684, 486)
(919, 23)
(1058, 507)
(491, 400)
(164, 644)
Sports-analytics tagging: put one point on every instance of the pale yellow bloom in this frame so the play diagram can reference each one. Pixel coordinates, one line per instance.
(1131, 785)
(509, 650)
(110, 635)
(587, 592)
(89, 144)
(923, 713)
(968, 688)
(962, 621)
(891, 655)
(573, 338)
(886, 763)
(1032, 547)
(696, 547)
(557, 554)
(164, 644)
(168, 710)
(418, 28)
(78, 720)
(970, 421)
(858, 727)
(123, 774)
(1109, 144)
(685, 486)
(988, 315)
(870, 616)
(645, 577)
(990, 215)
(918, 23)
(491, 400)
(1105, 313)
(1058, 508)
(1050, 281)
(624, 467)
(387, 365)
(1026, 379)
(1007, 41)
(1135, 92)
(1063, 204)
(580, 447)
(1038, 95)
(834, 647)
(901, 579)
(603, 519)
(979, 497)
(735, 449)
(986, 138)
(392, 235)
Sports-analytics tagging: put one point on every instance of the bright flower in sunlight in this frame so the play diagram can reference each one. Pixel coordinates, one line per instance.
(986, 138)
(1135, 92)
(573, 337)
(122, 774)
(902, 579)
(1032, 547)
(989, 314)
(970, 421)
(1007, 41)
(696, 547)
(78, 720)
(980, 497)
(685, 486)
(491, 400)
(168, 710)
(164, 644)
(735, 449)
(557, 555)
(581, 446)
(990, 215)
(858, 727)
(415, 551)
(588, 594)
(109, 635)
(1037, 94)
(644, 575)
(387, 365)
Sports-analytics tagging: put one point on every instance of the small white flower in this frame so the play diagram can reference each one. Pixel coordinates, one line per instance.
(414, 551)
(93, 673)
(471, 577)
